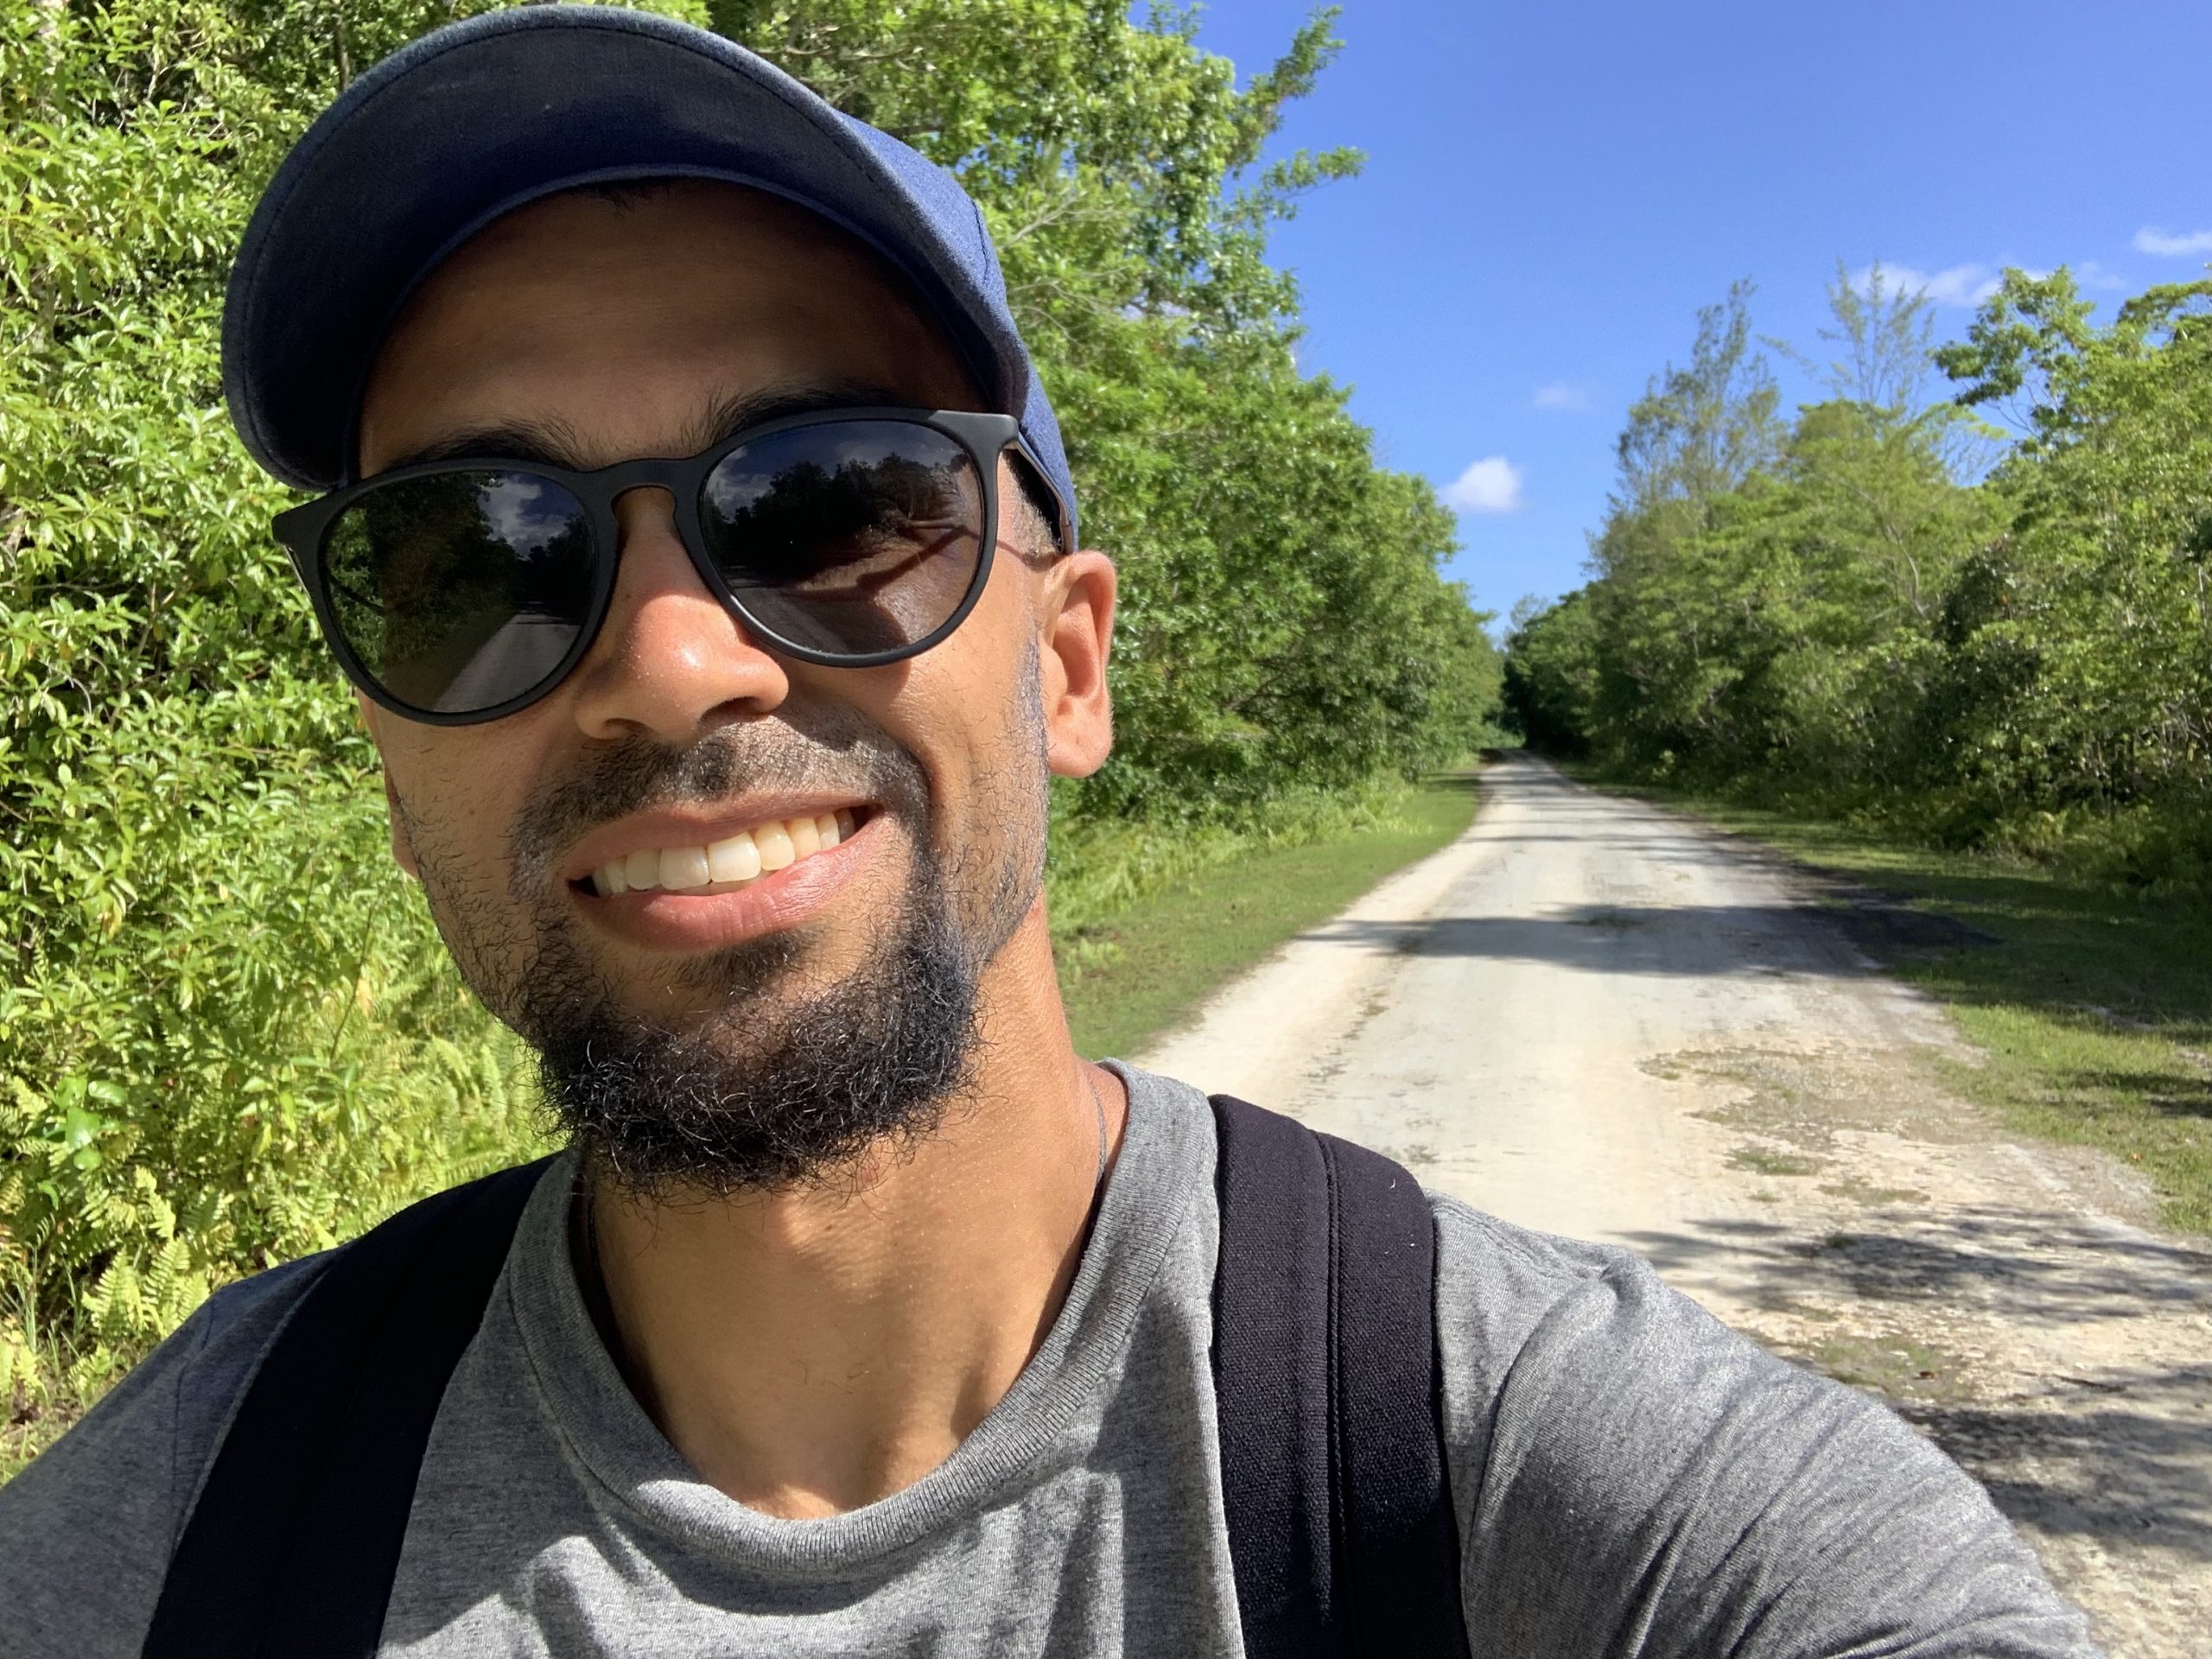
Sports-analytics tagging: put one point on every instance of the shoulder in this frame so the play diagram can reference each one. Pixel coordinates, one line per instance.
(1551, 1345)
(1621, 1458)
(86, 1530)
(1528, 1323)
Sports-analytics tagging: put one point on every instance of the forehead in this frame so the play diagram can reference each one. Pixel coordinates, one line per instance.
(623, 320)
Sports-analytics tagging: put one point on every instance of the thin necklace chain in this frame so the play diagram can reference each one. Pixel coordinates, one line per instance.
(1098, 1105)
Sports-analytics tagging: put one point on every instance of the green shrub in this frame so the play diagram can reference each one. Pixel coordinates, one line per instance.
(197, 906)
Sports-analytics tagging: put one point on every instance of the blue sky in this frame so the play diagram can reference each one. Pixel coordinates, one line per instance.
(1554, 187)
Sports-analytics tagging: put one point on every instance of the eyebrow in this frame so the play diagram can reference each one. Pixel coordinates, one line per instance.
(555, 443)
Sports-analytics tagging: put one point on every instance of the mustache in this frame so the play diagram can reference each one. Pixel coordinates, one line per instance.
(835, 752)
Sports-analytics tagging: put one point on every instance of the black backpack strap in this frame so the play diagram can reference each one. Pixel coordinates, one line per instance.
(1341, 1531)
(294, 1541)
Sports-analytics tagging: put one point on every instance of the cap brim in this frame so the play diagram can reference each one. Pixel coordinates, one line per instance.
(478, 118)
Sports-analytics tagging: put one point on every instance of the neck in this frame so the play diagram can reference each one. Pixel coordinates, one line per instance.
(811, 1351)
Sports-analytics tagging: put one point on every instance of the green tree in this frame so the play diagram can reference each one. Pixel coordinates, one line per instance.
(195, 907)
(1767, 598)
(1701, 430)
(1550, 691)
(1285, 623)
(2082, 647)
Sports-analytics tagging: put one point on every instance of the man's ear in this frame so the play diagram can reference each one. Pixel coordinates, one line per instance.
(402, 854)
(1076, 633)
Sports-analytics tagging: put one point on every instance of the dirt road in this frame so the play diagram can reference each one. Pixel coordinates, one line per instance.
(1596, 1018)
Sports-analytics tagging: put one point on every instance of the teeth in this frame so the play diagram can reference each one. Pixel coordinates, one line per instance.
(739, 858)
(735, 860)
(775, 844)
(683, 867)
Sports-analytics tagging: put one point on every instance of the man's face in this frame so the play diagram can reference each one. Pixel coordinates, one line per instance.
(733, 1033)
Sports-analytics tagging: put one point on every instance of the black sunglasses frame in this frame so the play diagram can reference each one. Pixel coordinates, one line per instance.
(303, 531)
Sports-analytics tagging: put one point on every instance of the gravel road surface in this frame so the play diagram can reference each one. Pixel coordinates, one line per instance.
(1594, 1017)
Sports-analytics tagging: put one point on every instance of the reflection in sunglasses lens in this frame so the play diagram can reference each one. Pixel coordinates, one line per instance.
(459, 591)
(850, 537)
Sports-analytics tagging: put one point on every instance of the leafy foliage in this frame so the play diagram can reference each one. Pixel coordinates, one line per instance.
(193, 899)
(2020, 655)
(227, 1033)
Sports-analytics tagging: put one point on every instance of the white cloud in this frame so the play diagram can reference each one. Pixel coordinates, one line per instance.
(2168, 245)
(1491, 485)
(1561, 395)
(1953, 285)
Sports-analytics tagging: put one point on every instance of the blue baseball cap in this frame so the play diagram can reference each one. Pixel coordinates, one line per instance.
(476, 119)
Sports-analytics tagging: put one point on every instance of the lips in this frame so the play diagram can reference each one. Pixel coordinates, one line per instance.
(702, 885)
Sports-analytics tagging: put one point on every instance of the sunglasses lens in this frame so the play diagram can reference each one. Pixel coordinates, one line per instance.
(460, 591)
(847, 537)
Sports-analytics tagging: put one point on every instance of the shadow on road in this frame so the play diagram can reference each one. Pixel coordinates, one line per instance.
(1692, 941)
(2131, 958)
(2129, 1473)
(2121, 1452)
(2057, 1268)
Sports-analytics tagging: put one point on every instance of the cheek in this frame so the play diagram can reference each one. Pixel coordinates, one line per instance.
(459, 789)
(971, 720)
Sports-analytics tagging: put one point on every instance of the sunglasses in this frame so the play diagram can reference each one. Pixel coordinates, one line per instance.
(463, 590)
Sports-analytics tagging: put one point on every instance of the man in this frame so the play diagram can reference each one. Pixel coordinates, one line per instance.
(862, 1314)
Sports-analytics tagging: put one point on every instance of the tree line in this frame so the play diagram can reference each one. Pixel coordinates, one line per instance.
(227, 1034)
(1968, 590)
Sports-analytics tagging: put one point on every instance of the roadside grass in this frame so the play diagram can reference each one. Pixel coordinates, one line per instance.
(2092, 1003)
(1139, 970)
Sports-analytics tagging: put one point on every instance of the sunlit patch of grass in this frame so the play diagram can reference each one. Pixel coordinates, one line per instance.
(2142, 1098)
(1136, 971)
(1896, 1367)
(1762, 1161)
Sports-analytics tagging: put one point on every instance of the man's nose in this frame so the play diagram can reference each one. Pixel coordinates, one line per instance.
(672, 661)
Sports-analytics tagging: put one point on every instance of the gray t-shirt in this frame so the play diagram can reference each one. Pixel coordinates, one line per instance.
(1631, 1477)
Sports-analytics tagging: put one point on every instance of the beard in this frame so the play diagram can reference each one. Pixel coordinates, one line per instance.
(873, 1058)
(783, 1081)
